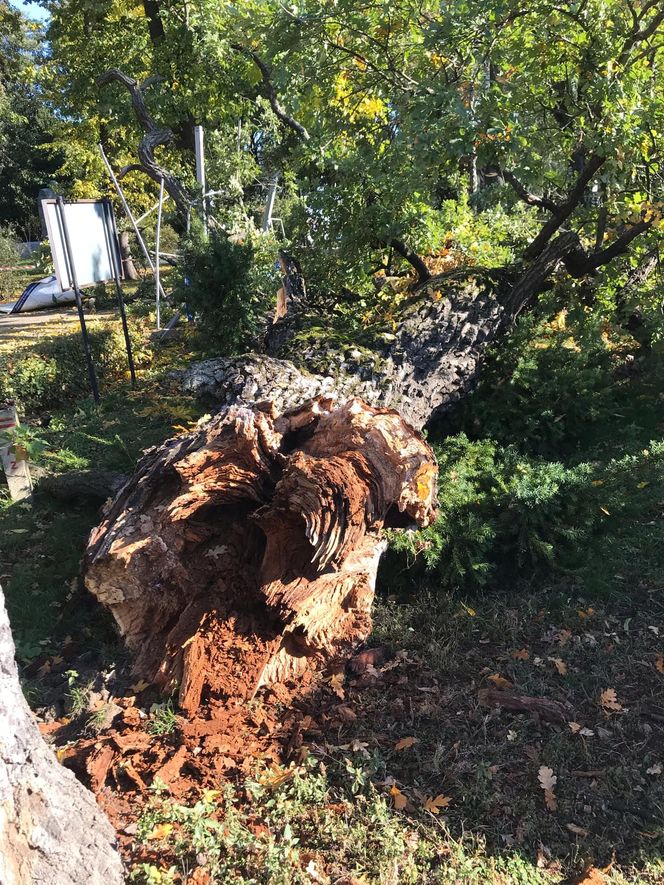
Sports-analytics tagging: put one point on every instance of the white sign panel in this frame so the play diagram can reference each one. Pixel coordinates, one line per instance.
(91, 242)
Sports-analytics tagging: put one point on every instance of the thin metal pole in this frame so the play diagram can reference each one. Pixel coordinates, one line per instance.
(156, 249)
(199, 145)
(128, 211)
(71, 273)
(114, 249)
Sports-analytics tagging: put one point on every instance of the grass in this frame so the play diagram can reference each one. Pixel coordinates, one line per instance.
(356, 808)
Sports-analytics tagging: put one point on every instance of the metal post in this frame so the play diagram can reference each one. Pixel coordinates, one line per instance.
(128, 212)
(114, 248)
(269, 205)
(156, 249)
(73, 281)
(199, 141)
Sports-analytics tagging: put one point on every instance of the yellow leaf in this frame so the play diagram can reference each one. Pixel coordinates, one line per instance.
(398, 798)
(210, 795)
(586, 614)
(436, 803)
(337, 685)
(161, 831)
(609, 700)
(560, 665)
(598, 482)
(405, 743)
(141, 685)
(642, 485)
(500, 681)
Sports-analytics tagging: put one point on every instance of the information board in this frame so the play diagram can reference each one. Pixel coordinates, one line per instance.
(91, 234)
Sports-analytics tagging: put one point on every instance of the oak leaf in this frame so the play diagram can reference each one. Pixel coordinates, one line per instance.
(400, 801)
(547, 780)
(560, 665)
(521, 655)
(609, 700)
(434, 804)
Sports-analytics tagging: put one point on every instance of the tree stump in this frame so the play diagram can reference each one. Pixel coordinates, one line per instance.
(245, 552)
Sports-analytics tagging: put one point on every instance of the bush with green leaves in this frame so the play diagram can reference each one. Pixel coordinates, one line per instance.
(229, 286)
(501, 511)
(10, 278)
(53, 371)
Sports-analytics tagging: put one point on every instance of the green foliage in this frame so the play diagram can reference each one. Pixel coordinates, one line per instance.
(164, 719)
(54, 372)
(226, 284)
(501, 511)
(10, 277)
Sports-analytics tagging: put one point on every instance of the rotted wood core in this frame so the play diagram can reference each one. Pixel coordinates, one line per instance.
(244, 553)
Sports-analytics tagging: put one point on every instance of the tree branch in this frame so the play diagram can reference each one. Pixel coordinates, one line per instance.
(526, 196)
(564, 210)
(579, 263)
(154, 137)
(412, 258)
(271, 93)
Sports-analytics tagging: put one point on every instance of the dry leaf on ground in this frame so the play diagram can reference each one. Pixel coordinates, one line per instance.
(659, 664)
(400, 801)
(560, 665)
(436, 803)
(609, 700)
(521, 655)
(500, 681)
(405, 743)
(548, 780)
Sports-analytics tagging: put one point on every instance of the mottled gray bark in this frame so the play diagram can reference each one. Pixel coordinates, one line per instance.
(421, 370)
(51, 830)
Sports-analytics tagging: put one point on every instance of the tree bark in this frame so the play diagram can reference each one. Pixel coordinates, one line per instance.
(51, 829)
(128, 265)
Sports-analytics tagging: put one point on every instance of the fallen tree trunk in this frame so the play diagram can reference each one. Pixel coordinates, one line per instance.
(244, 553)
(51, 829)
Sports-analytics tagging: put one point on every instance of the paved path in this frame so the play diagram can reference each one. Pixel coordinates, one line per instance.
(29, 326)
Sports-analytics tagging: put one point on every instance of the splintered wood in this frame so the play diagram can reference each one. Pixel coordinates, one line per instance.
(245, 553)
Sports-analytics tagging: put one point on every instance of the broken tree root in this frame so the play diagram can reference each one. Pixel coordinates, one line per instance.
(244, 554)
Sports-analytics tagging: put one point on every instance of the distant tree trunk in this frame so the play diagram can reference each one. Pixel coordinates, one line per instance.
(128, 265)
(51, 829)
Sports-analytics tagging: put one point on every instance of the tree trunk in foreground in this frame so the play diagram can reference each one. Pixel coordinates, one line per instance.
(128, 265)
(245, 552)
(51, 830)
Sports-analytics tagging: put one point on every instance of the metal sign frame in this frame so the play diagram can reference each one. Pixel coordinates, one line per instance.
(66, 270)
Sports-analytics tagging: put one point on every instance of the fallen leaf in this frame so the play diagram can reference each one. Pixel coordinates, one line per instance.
(337, 685)
(500, 681)
(560, 665)
(435, 804)
(161, 831)
(574, 727)
(139, 686)
(591, 876)
(578, 831)
(655, 769)
(346, 713)
(210, 795)
(521, 655)
(609, 700)
(405, 743)
(548, 780)
(659, 664)
(589, 611)
(400, 801)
